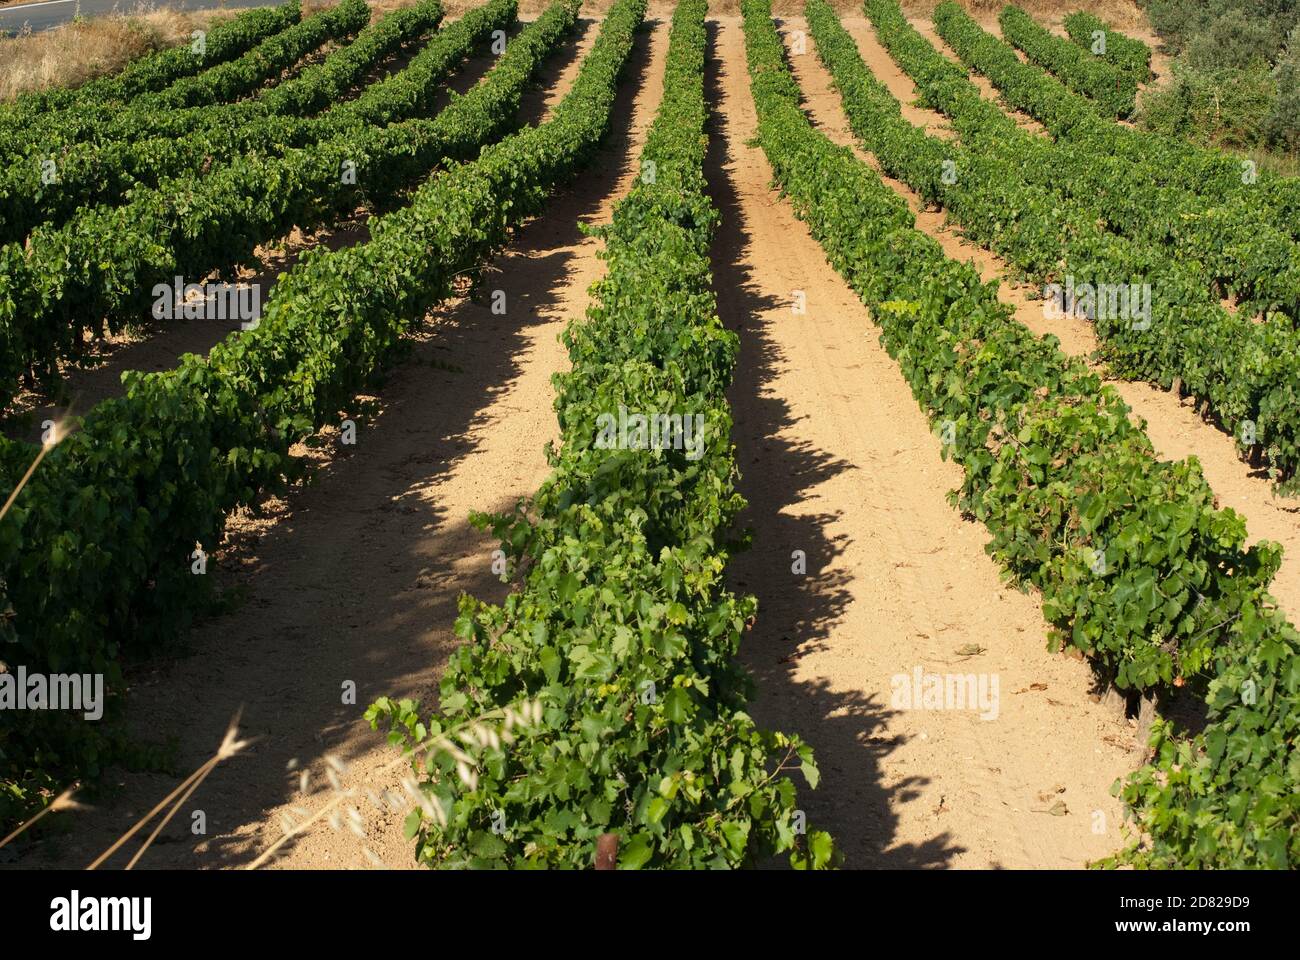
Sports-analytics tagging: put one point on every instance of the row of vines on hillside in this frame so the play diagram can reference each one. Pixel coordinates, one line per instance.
(223, 82)
(1225, 245)
(624, 632)
(1112, 89)
(1093, 34)
(55, 181)
(1211, 174)
(214, 220)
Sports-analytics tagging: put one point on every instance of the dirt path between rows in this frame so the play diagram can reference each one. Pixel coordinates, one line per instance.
(1173, 425)
(357, 579)
(838, 462)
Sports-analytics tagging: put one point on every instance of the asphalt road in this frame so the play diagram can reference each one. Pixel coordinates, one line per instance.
(52, 13)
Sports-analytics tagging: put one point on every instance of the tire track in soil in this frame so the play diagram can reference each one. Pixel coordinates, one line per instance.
(1175, 428)
(357, 577)
(838, 460)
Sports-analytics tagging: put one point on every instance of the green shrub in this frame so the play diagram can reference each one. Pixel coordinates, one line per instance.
(1282, 128)
(1225, 107)
(1234, 40)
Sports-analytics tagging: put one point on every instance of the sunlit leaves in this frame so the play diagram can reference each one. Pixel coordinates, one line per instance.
(623, 628)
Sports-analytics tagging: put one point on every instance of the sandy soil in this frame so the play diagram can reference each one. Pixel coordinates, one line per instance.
(839, 462)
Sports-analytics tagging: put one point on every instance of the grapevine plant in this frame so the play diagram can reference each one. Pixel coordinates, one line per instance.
(624, 631)
(1209, 173)
(152, 72)
(103, 158)
(1127, 53)
(1223, 247)
(223, 82)
(1113, 90)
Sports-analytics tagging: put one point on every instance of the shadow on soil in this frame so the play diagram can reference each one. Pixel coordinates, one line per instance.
(797, 614)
